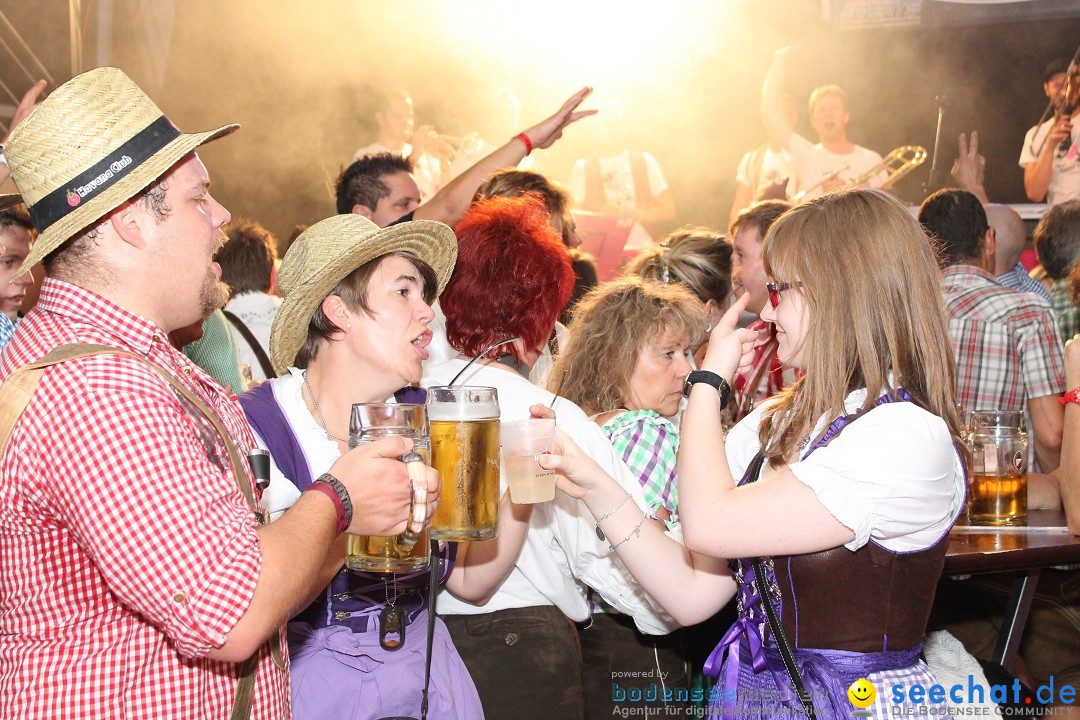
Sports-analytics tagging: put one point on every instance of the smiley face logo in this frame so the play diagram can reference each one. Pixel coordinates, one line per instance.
(861, 693)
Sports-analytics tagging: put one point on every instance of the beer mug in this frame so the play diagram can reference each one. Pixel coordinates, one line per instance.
(408, 550)
(998, 491)
(465, 451)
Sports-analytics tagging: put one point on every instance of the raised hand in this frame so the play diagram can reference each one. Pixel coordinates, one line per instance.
(731, 349)
(545, 133)
(969, 168)
(25, 106)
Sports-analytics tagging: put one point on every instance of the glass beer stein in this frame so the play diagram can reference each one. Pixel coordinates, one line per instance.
(409, 550)
(465, 451)
(997, 494)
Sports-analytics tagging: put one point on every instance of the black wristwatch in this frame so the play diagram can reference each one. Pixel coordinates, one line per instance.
(710, 378)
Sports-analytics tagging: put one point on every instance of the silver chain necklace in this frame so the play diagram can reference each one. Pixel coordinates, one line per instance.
(318, 411)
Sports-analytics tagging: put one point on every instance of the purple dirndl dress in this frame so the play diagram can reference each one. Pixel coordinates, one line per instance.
(338, 668)
(847, 615)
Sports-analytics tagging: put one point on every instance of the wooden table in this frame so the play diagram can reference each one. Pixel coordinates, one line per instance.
(1042, 543)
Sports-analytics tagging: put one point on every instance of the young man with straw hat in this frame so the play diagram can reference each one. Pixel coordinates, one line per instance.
(137, 580)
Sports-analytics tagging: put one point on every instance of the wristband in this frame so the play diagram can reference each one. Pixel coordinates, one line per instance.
(528, 143)
(330, 486)
(709, 378)
(1073, 396)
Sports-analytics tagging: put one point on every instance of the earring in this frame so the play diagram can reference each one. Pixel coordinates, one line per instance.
(348, 326)
(708, 328)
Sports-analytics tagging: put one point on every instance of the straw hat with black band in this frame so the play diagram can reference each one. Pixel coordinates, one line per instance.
(93, 143)
(324, 254)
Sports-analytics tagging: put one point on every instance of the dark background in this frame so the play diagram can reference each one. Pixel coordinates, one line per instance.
(687, 77)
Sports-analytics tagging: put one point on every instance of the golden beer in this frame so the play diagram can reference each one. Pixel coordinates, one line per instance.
(408, 550)
(465, 451)
(997, 493)
(466, 454)
(997, 500)
(375, 553)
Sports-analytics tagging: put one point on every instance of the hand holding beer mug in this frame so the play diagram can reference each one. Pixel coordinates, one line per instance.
(465, 451)
(998, 491)
(409, 550)
(523, 442)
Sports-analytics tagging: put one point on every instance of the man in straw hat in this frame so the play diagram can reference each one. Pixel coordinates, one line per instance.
(137, 580)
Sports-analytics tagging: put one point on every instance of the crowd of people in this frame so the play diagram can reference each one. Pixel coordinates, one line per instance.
(747, 419)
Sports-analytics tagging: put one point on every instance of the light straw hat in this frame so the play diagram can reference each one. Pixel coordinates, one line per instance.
(325, 253)
(94, 143)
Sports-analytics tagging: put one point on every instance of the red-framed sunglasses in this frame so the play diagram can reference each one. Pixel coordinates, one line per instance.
(776, 288)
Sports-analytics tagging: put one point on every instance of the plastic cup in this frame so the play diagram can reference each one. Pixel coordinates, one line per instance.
(523, 441)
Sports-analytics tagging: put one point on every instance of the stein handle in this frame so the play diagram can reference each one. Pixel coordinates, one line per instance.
(414, 463)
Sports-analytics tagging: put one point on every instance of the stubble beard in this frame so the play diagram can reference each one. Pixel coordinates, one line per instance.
(214, 294)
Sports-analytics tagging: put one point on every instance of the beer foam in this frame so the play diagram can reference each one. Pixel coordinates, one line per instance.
(461, 403)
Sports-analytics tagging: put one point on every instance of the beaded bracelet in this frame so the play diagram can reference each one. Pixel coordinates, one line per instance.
(636, 532)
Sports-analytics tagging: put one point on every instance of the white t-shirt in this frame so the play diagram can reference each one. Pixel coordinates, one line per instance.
(1065, 173)
(775, 166)
(618, 180)
(439, 350)
(257, 311)
(320, 452)
(823, 162)
(561, 553)
(904, 504)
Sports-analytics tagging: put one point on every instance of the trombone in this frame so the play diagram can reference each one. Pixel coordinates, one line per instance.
(896, 165)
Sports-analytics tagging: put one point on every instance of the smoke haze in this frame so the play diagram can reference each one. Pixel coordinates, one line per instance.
(684, 76)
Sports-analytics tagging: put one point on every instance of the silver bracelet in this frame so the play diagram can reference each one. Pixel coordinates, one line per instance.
(636, 532)
(605, 516)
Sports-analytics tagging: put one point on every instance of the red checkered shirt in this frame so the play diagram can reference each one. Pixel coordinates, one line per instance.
(126, 550)
(766, 368)
(1008, 348)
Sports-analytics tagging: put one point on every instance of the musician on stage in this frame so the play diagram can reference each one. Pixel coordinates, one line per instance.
(834, 161)
(1051, 163)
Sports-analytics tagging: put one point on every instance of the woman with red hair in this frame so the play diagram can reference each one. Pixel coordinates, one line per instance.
(512, 279)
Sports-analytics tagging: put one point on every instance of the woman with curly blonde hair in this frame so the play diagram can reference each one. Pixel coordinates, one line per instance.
(626, 367)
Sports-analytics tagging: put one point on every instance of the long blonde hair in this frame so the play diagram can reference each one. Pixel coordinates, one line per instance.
(873, 294)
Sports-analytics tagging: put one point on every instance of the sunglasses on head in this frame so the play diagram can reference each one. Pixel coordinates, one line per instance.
(776, 288)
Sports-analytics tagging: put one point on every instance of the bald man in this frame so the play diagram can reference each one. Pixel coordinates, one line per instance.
(1009, 236)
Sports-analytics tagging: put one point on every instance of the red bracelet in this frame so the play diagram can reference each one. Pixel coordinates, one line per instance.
(338, 495)
(1073, 396)
(528, 143)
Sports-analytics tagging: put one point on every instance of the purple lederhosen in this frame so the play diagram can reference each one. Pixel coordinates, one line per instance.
(752, 681)
(338, 668)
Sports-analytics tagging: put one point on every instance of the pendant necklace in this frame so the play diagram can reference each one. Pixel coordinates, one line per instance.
(391, 619)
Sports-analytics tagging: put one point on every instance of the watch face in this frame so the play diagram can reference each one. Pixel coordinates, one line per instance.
(686, 387)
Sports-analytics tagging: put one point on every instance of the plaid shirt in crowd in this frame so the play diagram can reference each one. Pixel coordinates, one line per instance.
(127, 552)
(1018, 279)
(648, 444)
(1007, 344)
(1067, 314)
